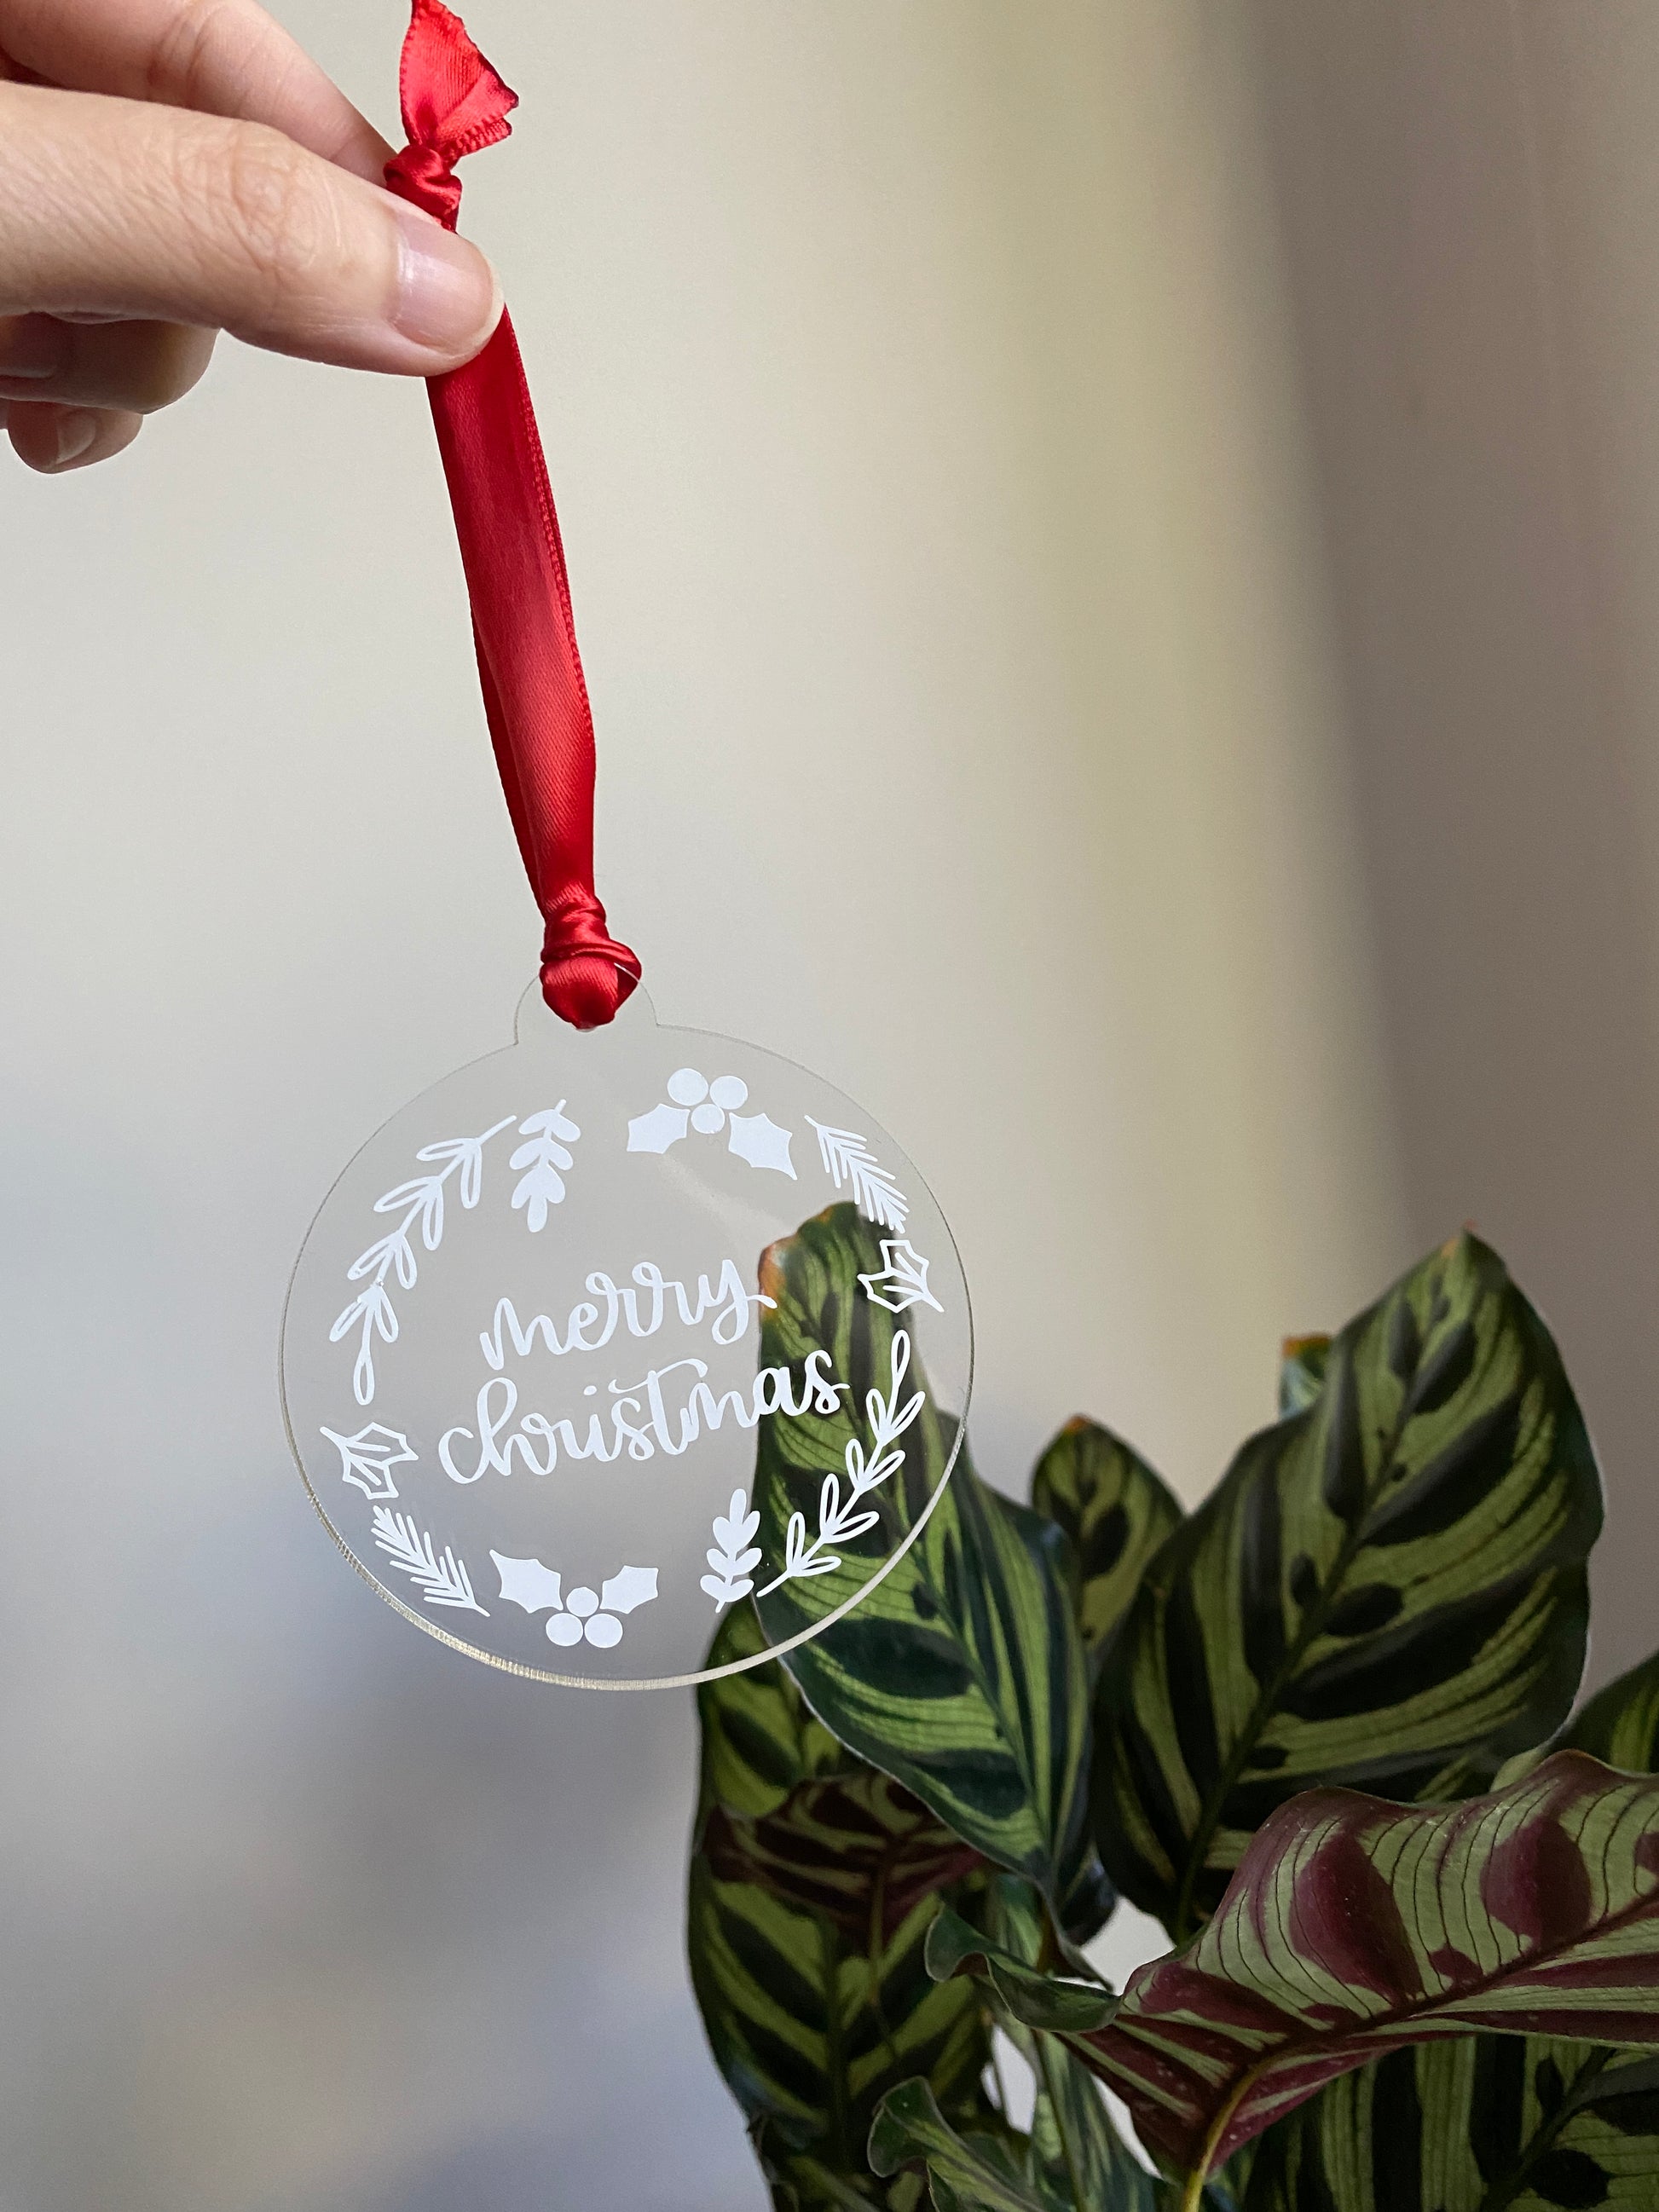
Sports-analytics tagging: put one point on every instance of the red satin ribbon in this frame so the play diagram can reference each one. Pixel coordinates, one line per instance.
(540, 722)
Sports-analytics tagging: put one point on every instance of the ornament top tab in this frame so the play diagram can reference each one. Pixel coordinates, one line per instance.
(618, 1328)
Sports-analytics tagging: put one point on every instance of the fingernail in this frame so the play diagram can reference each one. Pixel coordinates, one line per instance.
(31, 346)
(76, 428)
(447, 295)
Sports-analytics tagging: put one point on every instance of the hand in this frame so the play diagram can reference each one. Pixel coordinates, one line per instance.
(170, 168)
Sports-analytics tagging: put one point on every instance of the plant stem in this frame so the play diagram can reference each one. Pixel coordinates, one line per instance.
(1504, 2192)
(834, 2065)
(1191, 2199)
(1077, 2198)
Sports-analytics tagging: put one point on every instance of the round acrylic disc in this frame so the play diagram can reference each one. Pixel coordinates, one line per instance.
(611, 1330)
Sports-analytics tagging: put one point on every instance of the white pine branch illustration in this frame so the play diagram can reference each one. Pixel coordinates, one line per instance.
(841, 1519)
(420, 1199)
(734, 1554)
(847, 1159)
(441, 1580)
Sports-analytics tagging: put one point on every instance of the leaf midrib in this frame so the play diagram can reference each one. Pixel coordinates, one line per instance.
(1504, 2192)
(1265, 2067)
(1312, 1622)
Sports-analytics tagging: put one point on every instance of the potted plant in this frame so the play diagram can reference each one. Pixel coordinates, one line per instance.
(1321, 1728)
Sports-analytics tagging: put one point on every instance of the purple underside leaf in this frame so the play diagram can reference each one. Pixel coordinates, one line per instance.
(1353, 1927)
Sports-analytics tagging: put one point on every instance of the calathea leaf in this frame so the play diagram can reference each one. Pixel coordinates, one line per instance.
(1477, 2123)
(1354, 1926)
(1619, 1725)
(1076, 2158)
(760, 1739)
(911, 2131)
(962, 1672)
(1302, 1371)
(1079, 2162)
(857, 1848)
(815, 2003)
(1480, 2122)
(1388, 1591)
(1029, 1996)
(811, 2028)
(1116, 1511)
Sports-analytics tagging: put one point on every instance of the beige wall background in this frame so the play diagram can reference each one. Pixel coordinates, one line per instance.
(1113, 545)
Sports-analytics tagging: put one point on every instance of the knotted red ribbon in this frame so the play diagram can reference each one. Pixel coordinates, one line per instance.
(540, 722)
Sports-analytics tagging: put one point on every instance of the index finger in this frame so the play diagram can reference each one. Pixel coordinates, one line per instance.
(220, 57)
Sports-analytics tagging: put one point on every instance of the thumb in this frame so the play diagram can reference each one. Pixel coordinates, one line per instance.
(111, 207)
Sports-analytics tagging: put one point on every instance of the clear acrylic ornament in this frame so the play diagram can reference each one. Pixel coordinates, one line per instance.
(615, 1330)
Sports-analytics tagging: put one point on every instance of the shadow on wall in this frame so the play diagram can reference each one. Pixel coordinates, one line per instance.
(1421, 161)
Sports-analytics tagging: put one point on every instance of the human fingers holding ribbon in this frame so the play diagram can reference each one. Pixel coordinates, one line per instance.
(169, 168)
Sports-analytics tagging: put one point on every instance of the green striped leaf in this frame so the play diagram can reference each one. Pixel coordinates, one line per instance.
(1619, 1725)
(1116, 1513)
(857, 1848)
(811, 2028)
(1075, 2161)
(1078, 2161)
(1481, 2123)
(811, 1980)
(911, 2131)
(962, 1674)
(1077, 2157)
(1387, 1591)
(1354, 1926)
(760, 1739)
(1029, 1996)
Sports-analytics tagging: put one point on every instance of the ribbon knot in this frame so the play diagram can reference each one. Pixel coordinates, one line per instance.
(421, 174)
(454, 104)
(535, 696)
(585, 974)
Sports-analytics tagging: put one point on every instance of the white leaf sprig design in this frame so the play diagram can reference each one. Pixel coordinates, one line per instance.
(541, 1185)
(841, 1519)
(734, 1555)
(847, 1159)
(441, 1580)
(419, 1200)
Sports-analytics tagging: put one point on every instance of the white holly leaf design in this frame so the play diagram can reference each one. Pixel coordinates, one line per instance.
(368, 1459)
(441, 1580)
(757, 1138)
(656, 1131)
(902, 1282)
(627, 1588)
(528, 1582)
(542, 1185)
(733, 1556)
